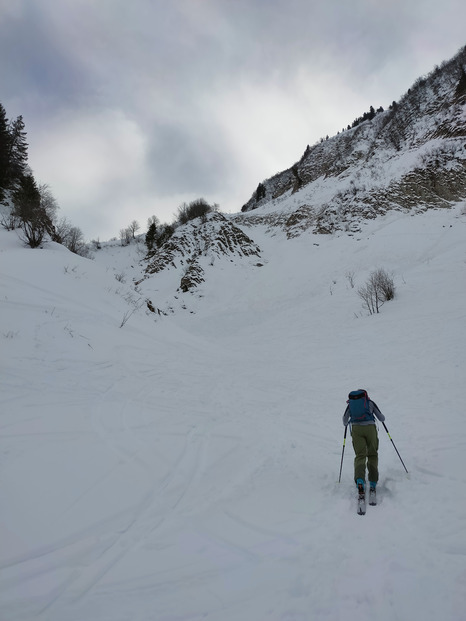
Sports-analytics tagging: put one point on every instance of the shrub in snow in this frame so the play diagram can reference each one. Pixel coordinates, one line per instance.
(350, 276)
(198, 208)
(378, 289)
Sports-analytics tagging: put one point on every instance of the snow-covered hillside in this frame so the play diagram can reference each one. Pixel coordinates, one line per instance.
(411, 156)
(184, 466)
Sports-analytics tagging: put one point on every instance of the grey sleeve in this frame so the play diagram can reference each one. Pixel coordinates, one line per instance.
(377, 412)
(346, 416)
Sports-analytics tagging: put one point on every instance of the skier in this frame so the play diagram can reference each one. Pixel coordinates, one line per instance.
(361, 413)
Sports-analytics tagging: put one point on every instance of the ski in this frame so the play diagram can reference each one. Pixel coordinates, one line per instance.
(361, 506)
(361, 501)
(372, 497)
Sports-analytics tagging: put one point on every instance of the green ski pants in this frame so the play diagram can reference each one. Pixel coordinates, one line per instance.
(365, 444)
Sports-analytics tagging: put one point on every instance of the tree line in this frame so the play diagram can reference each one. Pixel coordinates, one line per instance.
(158, 233)
(31, 207)
(28, 205)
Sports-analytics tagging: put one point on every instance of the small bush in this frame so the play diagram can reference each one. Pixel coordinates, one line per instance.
(9, 221)
(350, 276)
(379, 288)
(385, 284)
(195, 209)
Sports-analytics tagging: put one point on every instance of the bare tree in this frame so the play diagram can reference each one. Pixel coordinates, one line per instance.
(125, 236)
(48, 202)
(134, 228)
(71, 237)
(153, 220)
(75, 241)
(9, 220)
(62, 230)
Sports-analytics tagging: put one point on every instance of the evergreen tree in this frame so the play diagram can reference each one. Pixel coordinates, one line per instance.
(18, 149)
(13, 152)
(4, 147)
(260, 192)
(151, 236)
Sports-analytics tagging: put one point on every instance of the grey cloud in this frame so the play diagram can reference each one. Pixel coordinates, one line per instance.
(36, 67)
(186, 159)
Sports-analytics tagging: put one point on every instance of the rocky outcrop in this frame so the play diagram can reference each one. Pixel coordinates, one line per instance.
(197, 244)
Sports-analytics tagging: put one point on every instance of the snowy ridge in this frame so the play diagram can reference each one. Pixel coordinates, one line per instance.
(185, 466)
(412, 156)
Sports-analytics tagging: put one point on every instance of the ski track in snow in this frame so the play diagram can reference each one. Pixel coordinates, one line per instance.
(186, 469)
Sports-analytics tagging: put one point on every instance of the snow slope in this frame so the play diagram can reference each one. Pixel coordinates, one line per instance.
(185, 467)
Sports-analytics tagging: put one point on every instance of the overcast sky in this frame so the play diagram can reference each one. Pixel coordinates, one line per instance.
(132, 107)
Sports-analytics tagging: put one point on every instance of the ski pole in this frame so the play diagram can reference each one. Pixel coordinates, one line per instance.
(343, 452)
(385, 426)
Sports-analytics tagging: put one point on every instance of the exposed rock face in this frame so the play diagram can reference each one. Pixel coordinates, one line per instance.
(199, 243)
(412, 156)
(193, 276)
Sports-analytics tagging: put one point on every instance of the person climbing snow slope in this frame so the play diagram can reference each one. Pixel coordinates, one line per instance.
(360, 413)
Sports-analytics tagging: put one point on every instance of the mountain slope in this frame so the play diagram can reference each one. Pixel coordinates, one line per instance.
(410, 157)
(185, 466)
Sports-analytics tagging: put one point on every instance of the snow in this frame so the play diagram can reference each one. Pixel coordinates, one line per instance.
(185, 467)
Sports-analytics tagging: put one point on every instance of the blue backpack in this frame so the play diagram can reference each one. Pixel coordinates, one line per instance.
(358, 403)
